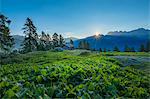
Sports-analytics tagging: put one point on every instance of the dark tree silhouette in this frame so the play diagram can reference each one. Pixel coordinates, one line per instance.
(148, 46)
(116, 49)
(55, 40)
(108, 50)
(71, 44)
(61, 41)
(42, 42)
(105, 50)
(142, 48)
(30, 42)
(84, 44)
(132, 49)
(6, 41)
(100, 50)
(127, 49)
(48, 42)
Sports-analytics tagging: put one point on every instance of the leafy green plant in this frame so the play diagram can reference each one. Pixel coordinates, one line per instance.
(65, 75)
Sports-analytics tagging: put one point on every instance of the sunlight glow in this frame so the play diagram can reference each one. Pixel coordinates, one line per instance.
(97, 33)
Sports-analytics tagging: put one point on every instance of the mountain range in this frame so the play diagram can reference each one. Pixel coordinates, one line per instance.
(120, 39)
(18, 39)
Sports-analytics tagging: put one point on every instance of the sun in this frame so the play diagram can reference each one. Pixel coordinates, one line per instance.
(97, 33)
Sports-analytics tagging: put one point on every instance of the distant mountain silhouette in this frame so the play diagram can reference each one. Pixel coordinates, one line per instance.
(68, 39)
(18, 39)
(132, 38)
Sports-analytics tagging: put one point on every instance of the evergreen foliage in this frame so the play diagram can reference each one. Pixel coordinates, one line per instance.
(127, 48)
(71, 44)
(55, 40)
(100, 50)
(142, 48)
(61, 41)
(6, 40)
(116, 49)
(43, 42)
(30, 42)
(147, 46)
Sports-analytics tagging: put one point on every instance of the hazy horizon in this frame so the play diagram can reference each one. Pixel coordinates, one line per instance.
(77, 18)
(92, 34)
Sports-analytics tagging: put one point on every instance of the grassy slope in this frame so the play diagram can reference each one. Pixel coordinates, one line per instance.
(68, 74)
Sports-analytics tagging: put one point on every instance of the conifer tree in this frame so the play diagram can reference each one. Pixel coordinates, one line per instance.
(100, 50)
(142, 48)
(71, 44)
(83, 44)
(30, 42)
(55, 40)
(48, 42)
(6, 40)
(116, 49)
(61, 41)
(42, 42)
(132, 49)
(148, 46)
(127, 49)
(87, 45)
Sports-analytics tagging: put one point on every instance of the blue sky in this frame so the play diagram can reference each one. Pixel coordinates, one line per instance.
(77, 18)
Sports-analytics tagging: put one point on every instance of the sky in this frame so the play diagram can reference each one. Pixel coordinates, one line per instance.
(77, 18)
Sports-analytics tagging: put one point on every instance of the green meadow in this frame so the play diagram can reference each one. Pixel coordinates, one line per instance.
(73, 74)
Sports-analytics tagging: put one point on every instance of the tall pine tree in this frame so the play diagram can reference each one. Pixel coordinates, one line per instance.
(42, 42)
(61, 41)
(48, 42)
(6, 40)
(55, 40)
(30, 42)
(71, 44)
